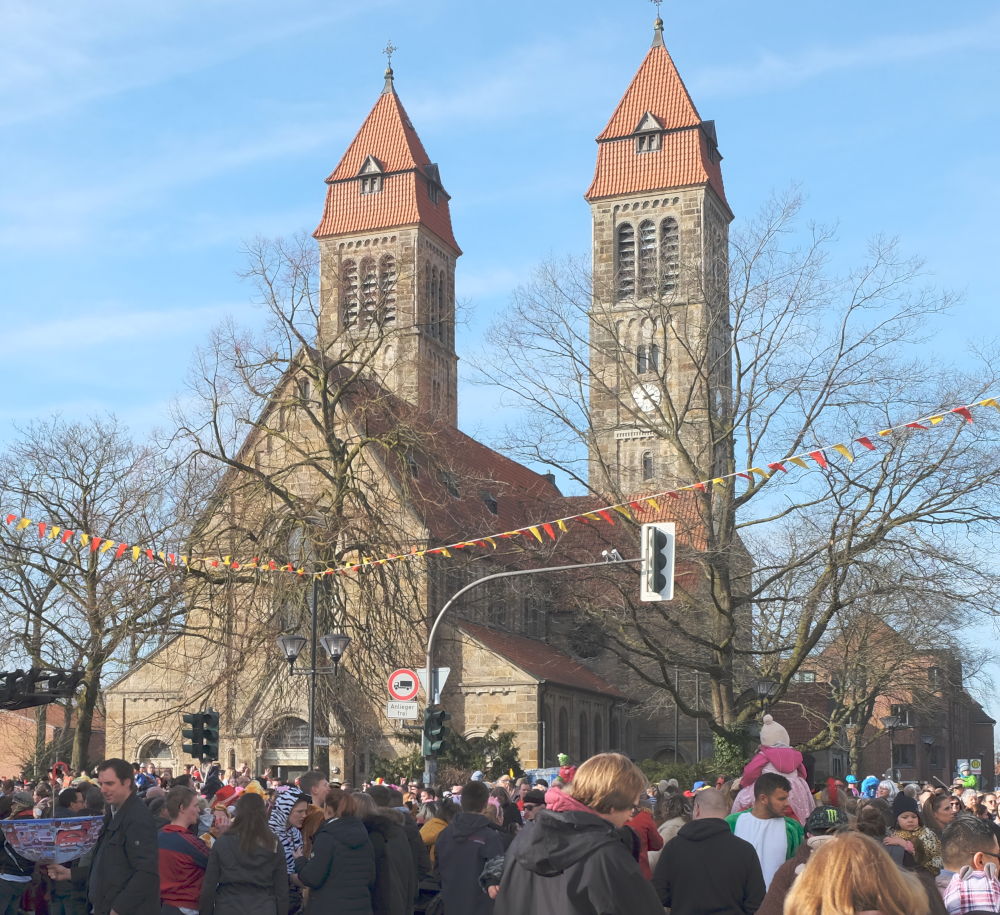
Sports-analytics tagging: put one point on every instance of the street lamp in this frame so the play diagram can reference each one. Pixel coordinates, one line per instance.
(334, 645)
(891, 723)
(765, 689)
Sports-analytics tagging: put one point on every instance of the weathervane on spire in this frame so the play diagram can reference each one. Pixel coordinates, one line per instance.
(658, 25)
(388, 51)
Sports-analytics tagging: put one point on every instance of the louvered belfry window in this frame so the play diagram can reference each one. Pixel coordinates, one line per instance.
(647, 258)
(670, 254)
(626, 260)
(349, 284)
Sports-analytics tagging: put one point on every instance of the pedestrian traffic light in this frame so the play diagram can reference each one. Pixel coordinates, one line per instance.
(434, 729)
(210, 734)
(196, 734)
(657, 562)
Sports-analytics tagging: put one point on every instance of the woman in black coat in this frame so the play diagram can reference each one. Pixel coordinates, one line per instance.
(340, 872)
(395, 875)
(246, 872)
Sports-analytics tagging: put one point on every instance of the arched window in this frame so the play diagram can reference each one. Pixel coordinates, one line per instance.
(369, 290)
(670, 254)
(287, 734)
(439, 293)
(563, 745)
(584, 738)
(546, 735)
(626, 260)
(647, 465)
(598, 733)
(349, 293)
(641, 359)
(653, 358)
(433, 311)
(614, 738)
(153, 750)
(647, 258)
(387, 288)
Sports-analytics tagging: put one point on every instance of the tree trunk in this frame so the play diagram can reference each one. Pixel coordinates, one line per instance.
(85, 718)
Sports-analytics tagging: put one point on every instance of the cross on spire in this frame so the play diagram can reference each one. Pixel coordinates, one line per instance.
(657, 25)
(388, 51)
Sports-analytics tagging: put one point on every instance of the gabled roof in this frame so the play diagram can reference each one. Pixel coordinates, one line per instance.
(539, 660)
(387, 135)
(686, 156)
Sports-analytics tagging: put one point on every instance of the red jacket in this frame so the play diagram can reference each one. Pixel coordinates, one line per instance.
(183, 859)
(643, 825)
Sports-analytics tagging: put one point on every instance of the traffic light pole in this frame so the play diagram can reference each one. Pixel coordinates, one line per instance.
(433, 692)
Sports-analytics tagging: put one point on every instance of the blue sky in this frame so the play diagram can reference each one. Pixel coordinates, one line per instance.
(144, 143)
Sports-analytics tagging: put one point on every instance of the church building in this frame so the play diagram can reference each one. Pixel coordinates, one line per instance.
(387, 261)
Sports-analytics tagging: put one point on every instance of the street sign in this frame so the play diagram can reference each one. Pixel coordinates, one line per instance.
(976, 765)
(440, 675)
(405, 711)
(321, 741)
(404, 684)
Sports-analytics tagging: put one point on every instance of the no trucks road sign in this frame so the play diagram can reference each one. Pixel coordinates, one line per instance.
(404, 684)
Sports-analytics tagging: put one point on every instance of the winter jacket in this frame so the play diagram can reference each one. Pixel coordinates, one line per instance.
(237, 883)
(183, 859)
(124, 871)
(429, 833)
(784, 759)
(462, 852)
(572, 862)
(690, 881)
(418, 850)
(395, 876)
(340, 872)
(10, 861)
(643, 825)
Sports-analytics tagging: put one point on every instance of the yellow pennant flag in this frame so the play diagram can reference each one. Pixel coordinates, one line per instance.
(54, 532)
(845, 451)
(135, 553)
(84, 538)
(22, 524)
(764, 474)
(562, 525)
(106, 546)
(491, 542)
(651, 502)
(536, 533)
(719, 481)
(990, 402)
(624, 512)
(799, 462)
(885, 432)
(934, 420)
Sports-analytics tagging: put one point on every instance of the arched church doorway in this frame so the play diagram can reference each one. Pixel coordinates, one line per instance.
(284, 747)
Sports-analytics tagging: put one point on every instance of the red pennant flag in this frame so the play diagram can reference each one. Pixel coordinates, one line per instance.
(149, 554)
(637, 507)
(963, 412)
(700, 486)
(215, 563)
(272, 565)
(66, 536)
(819, 458)
(606, 515)
(865, 442)
(41, 530)
(11, 519)
(122, 547)
(745, 476)
(677, 495)
(915, 426)
(94, 544)
(777, 466)
(549, 530)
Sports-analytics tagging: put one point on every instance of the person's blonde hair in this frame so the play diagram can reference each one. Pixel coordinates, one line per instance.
(852, 873)
(608, 781)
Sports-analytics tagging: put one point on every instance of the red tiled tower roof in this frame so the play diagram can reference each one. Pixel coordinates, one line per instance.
(409, 179)
(687, 154)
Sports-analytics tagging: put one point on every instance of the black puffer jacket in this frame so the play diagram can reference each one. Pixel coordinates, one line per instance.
(237, 883)
(463, 848)
(573, 863)
(340, 872)
(395, 875)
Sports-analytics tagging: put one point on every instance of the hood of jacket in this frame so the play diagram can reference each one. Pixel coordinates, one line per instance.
(784, 759)
(559, 839)
(290, 837)
(465, 824)
(703, 830)
(559, 801)
(347, 831)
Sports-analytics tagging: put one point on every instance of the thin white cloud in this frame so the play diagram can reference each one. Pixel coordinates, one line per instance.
(775, 71)
(102, 328)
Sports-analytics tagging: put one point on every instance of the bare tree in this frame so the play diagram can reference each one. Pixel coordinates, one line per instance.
(794, 357)
(70, 605)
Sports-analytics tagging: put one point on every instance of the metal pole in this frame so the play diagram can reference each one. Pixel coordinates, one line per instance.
(433, 697)
(677, 714)
(892, 754)
(312, 680)
(697, 720)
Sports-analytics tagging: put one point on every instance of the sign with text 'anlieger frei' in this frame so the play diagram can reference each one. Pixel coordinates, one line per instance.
(403, 711)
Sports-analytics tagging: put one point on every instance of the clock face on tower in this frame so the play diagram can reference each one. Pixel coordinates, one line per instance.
(646, 397)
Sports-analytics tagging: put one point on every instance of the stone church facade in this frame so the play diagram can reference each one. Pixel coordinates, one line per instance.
(388, 256)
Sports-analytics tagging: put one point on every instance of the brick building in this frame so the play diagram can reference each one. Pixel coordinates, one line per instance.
(19, 729)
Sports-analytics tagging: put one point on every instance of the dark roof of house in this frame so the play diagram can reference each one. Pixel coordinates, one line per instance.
(540, 660)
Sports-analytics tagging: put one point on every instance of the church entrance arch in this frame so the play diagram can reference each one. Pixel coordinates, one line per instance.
(156, 751)
(284, 746)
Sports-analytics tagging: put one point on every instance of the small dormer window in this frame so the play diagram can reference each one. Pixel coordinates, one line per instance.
(647, 142)
(370, 175)
(433, 192)
(648, 134)
(450, 482)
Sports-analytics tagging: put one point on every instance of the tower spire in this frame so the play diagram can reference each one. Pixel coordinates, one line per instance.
(388, 51)
(657, 26)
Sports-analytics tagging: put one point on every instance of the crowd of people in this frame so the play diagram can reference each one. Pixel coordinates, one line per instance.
(598, 840)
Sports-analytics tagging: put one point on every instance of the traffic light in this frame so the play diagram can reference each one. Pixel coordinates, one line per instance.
(210, 734)
(196, 734)
(434, 729)
(24, 689)
(657, 562)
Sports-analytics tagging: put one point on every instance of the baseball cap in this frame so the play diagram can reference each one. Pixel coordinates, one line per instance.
(825, 819)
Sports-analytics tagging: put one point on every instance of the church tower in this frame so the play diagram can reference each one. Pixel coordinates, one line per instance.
(387, 261)
(659, 321)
